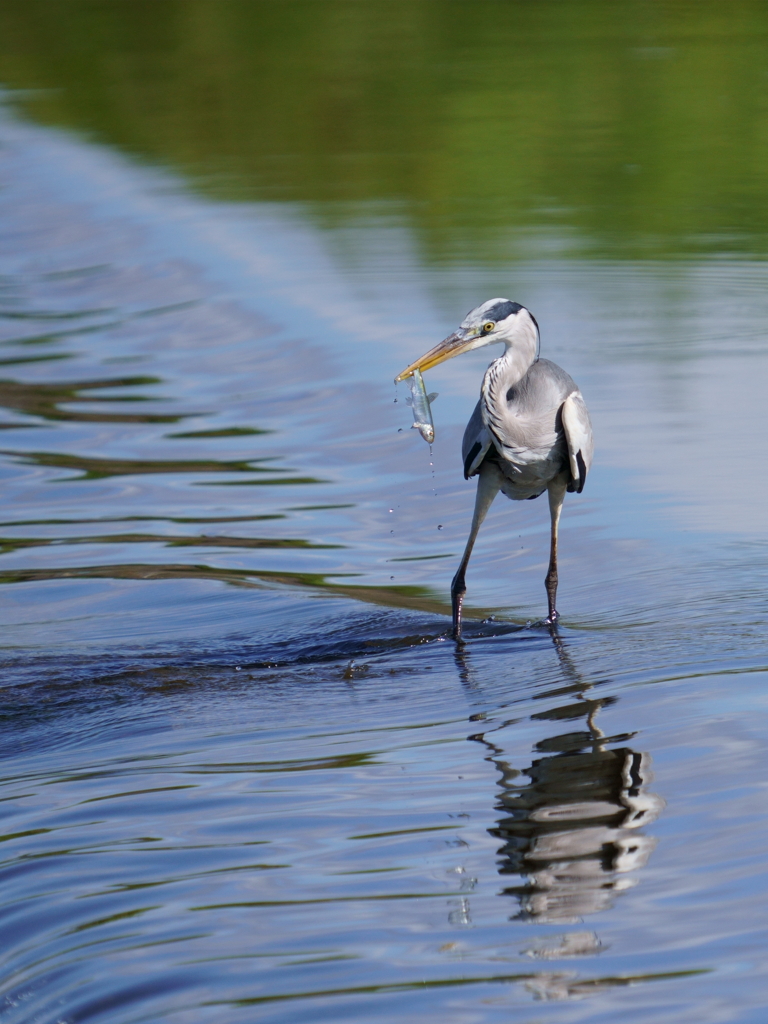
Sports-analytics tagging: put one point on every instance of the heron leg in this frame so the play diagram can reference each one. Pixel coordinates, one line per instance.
(488, 484)
(556, 493)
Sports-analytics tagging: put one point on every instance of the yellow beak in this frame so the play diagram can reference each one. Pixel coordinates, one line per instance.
(451, 346)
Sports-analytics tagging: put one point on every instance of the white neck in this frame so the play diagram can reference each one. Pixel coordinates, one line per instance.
(520, 353)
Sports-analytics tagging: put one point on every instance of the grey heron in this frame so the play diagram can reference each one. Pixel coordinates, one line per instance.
(530, 432)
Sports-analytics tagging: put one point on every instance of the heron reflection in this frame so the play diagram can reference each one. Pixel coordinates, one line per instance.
(571, 820)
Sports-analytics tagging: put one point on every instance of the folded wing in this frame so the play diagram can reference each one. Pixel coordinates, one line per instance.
(577, 427)
(477, 441)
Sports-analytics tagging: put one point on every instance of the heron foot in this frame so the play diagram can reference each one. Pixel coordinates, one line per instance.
(552, 619)
(458, 590)
(457, 601)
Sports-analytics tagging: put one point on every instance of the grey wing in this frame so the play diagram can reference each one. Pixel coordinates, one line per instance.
(577, 427)
(477, 441)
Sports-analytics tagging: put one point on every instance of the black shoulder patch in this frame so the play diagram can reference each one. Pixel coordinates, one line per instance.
(502, 310)
(471, 458)
(582, 471)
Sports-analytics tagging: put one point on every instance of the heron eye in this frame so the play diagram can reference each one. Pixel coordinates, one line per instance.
(489, 326)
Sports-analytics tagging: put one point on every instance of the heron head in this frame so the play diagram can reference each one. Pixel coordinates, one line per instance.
(497, 320)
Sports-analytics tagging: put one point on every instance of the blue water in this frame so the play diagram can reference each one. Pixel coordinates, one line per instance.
(246, 775)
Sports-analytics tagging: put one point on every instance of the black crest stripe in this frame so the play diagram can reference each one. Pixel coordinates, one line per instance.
(502, 310)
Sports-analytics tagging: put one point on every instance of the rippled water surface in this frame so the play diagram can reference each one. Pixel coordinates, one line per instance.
(245, 773)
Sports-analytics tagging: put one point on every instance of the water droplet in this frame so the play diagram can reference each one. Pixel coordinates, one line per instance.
(399, 430)
(391, 531)
(237, 668)
(391, 577)
(391, 510)
(440, 526)
(395, 401)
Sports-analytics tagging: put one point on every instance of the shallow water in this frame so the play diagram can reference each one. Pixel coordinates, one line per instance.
(246, 776)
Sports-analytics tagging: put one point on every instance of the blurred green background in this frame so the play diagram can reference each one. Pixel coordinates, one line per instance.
(494, 129)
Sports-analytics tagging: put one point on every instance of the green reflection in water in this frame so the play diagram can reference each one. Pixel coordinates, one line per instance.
(585, 126)
(143, 519)
(546, 984)
(8, 544)
(98, 469)
(415, 597)
(224, 432)
(47, 400)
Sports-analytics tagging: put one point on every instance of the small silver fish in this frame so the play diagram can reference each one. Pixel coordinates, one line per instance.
(419, 402)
